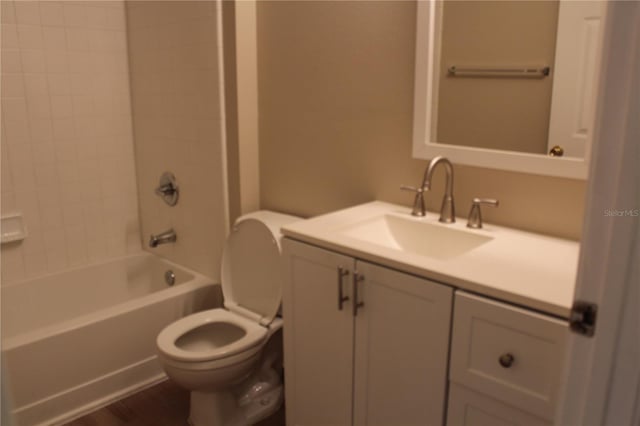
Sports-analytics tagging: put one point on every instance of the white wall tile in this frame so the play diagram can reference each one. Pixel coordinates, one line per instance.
(77, 39)
(52, 217)
(55, 38)
(39, 107)
(9, 36)
(59, 84)
(51, 13)
(8, 12)
(11, 62)
(30, 37)
(35, 263)
(41, 130)
(27, 12)
(16, 131)
(75, 14)
(64, 63)
(45, 173)
(63, 129)
(8, 201)
(36, 84)
(55, 247)
(76, 242)
(56, 62)
(174, 82)
(97, 16)
(82, 105)
(12, 263)
(28, 202)
(61, 107)
(44, 153)
(14, 109)
(33, 61)
(80, 63)
(12, 85)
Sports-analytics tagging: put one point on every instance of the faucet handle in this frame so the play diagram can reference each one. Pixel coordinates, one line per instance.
(418, 202)
(411, 188)
(475, 215)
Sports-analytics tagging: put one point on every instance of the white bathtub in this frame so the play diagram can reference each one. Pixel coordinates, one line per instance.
(77, 340)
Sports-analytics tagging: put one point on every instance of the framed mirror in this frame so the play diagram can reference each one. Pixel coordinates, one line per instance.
(508, 85)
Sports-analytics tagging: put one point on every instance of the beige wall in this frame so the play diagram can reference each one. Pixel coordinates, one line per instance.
(67, 147)
(498, 113)
(173, 50)
(335, 106)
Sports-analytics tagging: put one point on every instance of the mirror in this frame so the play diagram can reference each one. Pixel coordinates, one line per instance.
(507, 85)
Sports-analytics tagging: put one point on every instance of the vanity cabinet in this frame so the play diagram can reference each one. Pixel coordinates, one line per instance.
(506, 363)
(470, 408)
(364, 344)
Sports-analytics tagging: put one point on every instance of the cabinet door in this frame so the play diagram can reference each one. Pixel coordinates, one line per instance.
(469, 408)
(401, 348)
(318, 337)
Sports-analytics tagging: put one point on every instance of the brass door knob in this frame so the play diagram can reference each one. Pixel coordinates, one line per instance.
(556, 151)
(506, 360)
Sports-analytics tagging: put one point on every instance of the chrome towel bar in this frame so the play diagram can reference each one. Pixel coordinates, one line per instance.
(525, 72)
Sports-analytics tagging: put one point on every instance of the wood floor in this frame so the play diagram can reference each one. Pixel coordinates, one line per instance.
(164, 404)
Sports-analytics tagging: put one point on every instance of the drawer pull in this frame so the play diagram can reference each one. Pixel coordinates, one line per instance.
(506, 360)
(356, 279)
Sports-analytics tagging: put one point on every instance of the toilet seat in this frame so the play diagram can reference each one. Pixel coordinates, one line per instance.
(254, 335)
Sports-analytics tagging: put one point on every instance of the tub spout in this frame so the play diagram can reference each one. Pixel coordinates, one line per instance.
(163, 238)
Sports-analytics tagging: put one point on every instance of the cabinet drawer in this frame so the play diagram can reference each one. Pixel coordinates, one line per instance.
(508, 353)
(469, 408)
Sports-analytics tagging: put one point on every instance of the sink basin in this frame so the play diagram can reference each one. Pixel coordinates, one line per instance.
(416, 236)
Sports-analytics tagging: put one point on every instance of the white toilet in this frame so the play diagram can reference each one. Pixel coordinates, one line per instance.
(229, 357)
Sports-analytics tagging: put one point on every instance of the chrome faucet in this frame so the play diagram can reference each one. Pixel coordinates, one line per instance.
(162, 238)
(447, 211)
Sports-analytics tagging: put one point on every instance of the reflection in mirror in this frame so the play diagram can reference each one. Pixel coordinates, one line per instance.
(508, 112)
(507, 84)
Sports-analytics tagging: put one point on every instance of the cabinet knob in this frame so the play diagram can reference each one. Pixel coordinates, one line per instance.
(506, 360)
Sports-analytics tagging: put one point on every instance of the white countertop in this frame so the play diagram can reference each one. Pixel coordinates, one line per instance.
(523, 268)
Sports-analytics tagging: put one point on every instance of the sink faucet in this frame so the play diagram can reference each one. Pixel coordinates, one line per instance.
(447, 211)
(162, 238)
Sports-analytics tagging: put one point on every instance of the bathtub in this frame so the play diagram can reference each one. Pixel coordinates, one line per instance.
(78, 340)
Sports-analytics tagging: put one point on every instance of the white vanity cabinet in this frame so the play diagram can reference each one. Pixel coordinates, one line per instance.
(506, 364)
(381, 363)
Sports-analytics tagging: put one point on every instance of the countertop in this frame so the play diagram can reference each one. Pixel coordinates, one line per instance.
(527, 269)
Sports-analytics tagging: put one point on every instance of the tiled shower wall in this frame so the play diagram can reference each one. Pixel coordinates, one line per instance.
(174, 51)
(67, 145)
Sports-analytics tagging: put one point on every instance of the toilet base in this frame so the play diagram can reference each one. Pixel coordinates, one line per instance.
(214, 409)
(222, 409)
(267, 405)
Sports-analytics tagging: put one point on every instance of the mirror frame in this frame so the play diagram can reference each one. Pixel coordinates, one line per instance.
(428, 23)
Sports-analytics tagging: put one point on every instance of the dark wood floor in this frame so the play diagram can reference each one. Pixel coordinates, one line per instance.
(164, 404)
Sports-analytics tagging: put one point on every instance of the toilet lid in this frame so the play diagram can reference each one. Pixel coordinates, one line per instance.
(251, 276)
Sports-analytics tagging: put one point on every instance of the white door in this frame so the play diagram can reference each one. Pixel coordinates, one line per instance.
(401, 348)
(603, 371)
(575, 75)
(318, 336)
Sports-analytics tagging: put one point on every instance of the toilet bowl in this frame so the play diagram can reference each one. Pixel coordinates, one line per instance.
(221, 355)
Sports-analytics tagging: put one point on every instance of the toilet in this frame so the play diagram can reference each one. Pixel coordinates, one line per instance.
(230, 358)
